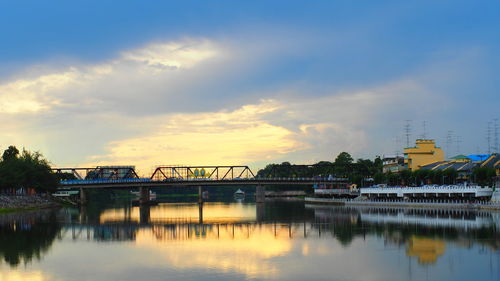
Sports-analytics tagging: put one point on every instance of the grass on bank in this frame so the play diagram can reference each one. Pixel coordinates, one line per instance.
(14, 210)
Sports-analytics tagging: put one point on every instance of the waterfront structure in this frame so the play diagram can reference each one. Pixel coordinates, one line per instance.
(425, 152)
(430, 192)
(393, 163)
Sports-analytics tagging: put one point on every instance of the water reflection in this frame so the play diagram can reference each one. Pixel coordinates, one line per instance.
(426, 249)
(27, 236)
(424, 232)
(275, 240)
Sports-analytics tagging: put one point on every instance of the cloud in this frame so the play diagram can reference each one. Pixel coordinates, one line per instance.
(216, 138)
(173, 55)
(217, 101)
(102, 85)
(287, 127)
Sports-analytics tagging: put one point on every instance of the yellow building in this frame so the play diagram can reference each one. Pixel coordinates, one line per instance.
(425, 152)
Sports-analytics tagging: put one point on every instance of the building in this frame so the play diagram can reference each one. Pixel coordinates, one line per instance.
(393, 163)
(493, 161)
(465, 165)
(425, 152)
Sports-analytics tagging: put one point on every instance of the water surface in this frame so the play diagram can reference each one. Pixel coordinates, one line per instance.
(248, 241)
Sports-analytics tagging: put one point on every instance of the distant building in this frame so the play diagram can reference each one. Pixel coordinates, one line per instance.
(464, 165)
(493, 161)
(393, 163)
(425, 152)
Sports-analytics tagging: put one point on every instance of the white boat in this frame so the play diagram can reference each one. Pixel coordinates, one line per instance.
(65, 193)
(239, 194)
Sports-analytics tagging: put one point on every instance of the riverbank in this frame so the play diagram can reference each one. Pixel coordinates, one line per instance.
(423, 204)
(15, 203)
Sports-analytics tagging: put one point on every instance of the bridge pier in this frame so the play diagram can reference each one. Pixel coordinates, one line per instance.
(143, 195)
(83, 196)
(200, 194)
(260, 194)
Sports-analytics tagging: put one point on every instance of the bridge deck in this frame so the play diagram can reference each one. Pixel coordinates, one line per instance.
(133, 183)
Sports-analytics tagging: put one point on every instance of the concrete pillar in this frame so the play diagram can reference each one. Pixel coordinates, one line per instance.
(200, 194)
(260, 194)
(143, 195)
(83, 218)
(83, 196)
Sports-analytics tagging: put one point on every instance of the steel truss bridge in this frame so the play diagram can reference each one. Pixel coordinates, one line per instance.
(164, 176)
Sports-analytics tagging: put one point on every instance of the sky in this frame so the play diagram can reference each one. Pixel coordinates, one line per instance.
(150, 83)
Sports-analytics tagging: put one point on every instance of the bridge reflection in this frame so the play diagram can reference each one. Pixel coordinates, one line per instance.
(399, 226)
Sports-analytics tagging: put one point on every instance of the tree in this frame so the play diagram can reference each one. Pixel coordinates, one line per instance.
(10, 153)
(483, 176)
(378, 165)
(29, 170)
(343, 158)
(343, 164)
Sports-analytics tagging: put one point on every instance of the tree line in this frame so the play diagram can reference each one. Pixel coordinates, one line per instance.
(25, 172)
(365, 172)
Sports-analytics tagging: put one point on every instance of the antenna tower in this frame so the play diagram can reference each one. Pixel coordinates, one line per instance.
(397, 140)
(488, 138)
(449, 142)
(408, 132)
(458, 140)
(496, 148)
(424, 127)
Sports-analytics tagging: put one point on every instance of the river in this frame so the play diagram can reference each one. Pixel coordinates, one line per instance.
(230, 240)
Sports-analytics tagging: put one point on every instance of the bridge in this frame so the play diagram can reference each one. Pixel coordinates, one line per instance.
(125, 177)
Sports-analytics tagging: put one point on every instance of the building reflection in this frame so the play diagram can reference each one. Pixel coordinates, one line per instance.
(424, 233)
(427, 250)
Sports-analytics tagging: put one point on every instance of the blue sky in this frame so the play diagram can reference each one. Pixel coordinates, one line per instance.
(104, 82)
